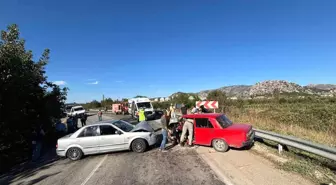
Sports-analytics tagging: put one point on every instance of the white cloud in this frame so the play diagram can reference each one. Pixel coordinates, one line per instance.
(61, 82)
(94, 83)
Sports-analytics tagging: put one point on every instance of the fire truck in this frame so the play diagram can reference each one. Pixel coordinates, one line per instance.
(120, 108)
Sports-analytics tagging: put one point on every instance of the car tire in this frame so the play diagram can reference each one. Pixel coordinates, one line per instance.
(139, 145)
(74, 153)
(220, 145)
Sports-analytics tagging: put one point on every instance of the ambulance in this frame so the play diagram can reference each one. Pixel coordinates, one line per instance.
(135, 104)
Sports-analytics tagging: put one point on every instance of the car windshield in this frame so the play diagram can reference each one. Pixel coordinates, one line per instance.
(123, 125)
(224, 121)
(79, 108)
(146, 105)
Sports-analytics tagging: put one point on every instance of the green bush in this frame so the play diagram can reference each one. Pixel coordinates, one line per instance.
(27, 99)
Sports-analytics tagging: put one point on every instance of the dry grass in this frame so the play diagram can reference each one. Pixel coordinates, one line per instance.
(313, 167)
(258, 119)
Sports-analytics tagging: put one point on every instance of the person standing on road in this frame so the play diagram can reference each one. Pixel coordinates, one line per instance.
(100, 115)
(183, 109)
(172, 111)
(75, 121)
(83, 119)
(164, 124)
(38, 135)
(187, 126)
(142, 116)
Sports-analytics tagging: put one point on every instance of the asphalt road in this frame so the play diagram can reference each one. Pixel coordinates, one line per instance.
(177, 166)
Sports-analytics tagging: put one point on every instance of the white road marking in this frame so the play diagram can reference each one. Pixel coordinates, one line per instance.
(94, 170)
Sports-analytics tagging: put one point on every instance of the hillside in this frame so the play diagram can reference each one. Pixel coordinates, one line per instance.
(269, 87)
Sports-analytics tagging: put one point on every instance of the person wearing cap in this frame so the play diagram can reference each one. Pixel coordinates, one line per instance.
(187, 126)
(142, 116)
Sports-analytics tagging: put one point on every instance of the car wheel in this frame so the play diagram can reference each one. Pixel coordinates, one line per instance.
(220, 145)
(74, 153)
(139, 145)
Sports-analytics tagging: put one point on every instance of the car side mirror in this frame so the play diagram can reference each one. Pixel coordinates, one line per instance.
(118, 132)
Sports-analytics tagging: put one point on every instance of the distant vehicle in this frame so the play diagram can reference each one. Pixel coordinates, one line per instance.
(218, 131)
(120, 108)
(106, 136)
(68, 108)
(136, 103)
(116, 108)
(76, 110)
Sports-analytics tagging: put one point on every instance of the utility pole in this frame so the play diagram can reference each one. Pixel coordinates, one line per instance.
(103, 101)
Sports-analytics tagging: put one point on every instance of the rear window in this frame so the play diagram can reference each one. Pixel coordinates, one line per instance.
(78, 109)
(224, 121)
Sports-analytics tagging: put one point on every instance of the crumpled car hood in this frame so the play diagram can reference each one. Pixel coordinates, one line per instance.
(143, 125)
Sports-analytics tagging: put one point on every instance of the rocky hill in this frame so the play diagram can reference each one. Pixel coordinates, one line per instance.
(270, 87)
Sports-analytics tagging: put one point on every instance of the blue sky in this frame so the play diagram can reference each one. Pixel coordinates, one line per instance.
(155, 48)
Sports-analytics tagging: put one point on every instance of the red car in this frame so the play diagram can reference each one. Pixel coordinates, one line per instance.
(218, 131)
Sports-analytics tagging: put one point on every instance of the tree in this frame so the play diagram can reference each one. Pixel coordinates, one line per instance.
(217, 95)
(27, 99)
(186, 99)
(220, 96)
(107, 102)
(92, 105)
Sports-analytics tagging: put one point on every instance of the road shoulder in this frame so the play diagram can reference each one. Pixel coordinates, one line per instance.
(244, 167)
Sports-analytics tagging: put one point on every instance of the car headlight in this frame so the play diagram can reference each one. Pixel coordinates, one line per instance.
(249, 133)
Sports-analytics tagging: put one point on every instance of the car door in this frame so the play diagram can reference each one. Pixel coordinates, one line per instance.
(88, 139)
(203, 131)
(111, 139)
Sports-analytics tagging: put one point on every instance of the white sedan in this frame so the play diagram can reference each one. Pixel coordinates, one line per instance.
(106, 136)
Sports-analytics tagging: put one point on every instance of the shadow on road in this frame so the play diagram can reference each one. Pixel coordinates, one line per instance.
(34, 181)
(30, 168)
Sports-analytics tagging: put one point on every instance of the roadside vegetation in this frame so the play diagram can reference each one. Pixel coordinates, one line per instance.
(27, 99)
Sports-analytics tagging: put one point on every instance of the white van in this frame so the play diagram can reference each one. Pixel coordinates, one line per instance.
(76, 110)
(135, 104)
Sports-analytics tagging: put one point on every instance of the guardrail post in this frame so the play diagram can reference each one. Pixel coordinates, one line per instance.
(280, 148)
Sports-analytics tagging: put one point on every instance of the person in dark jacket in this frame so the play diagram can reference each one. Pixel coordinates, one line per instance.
(38, 135)
(75, 121)
(83, 119)
(184, 109)
(203, 109)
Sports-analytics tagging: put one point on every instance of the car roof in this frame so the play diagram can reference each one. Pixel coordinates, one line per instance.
(104, 122)
(204, 115)
(77, 106)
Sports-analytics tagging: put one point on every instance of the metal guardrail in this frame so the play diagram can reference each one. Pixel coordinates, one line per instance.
(317, 149)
